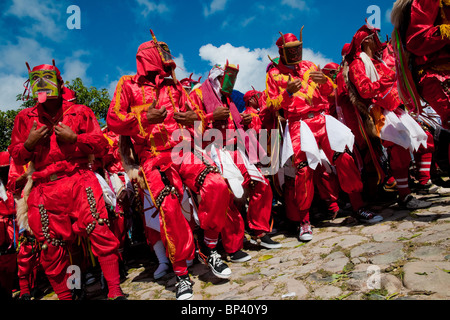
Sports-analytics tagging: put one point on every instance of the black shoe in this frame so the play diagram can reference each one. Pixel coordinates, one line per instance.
(184, 288)
(240, 256)
(266, 242)
(368, 216)
(25, 297)
(219, 268)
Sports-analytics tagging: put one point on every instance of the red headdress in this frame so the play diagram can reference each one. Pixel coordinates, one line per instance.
(362, 33)
(155, 56)
(250, 94)
(290, 48)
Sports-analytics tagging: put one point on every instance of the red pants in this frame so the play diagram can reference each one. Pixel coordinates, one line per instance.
(8, 261)
(399, 160)
(424, 159)
(348, 174)
(260, 198)
(28, 263)
(68, 210)
(234, 230)
(176, 233)
(433, 92)
(327, 186)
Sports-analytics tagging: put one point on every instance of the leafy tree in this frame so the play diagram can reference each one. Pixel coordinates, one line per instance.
(6, 125)
(97, 100)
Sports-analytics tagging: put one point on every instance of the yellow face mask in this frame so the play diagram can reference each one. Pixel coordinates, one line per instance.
(44, 84)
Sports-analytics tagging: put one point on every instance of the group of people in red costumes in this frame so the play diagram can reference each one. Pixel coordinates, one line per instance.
(181, 155)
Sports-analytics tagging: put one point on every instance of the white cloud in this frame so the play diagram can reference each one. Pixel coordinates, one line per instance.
(14, 71)
(73, 67)
(252, 63)
(296, 4)
(387, 15)
(41, 16)
(318, 58)
(28, 50)
(181, 71)
(247, 21)
(12, 85)
(150, 6)
(215, 6)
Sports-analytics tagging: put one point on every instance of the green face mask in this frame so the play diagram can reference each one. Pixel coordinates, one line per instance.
(44, 84)
(229, 79)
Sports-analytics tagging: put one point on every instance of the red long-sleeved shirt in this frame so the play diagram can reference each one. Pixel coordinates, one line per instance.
(53, 156)
(423, 37)
(312, 97)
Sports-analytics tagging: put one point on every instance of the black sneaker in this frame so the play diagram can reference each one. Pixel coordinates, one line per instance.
(184, 288)
(25, 297)
(266, 242)
(240, 256)
(413, 203)
(365, 215)
(219, 268)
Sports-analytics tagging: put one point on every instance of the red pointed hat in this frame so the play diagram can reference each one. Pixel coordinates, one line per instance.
(288, 37)
(249, 94)
(362, 33)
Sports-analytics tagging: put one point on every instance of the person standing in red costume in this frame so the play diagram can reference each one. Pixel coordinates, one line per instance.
(222, 117)
(301, 90)
(149, 107)
(376, 89)
(424, 26)
(60, 138)
(8, 232)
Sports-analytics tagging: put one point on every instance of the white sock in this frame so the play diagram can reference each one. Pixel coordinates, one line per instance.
(160, 252)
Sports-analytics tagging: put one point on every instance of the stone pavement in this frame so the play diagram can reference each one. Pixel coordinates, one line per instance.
(406, 256)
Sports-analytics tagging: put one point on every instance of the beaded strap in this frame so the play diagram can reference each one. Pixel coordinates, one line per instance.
(46, 230)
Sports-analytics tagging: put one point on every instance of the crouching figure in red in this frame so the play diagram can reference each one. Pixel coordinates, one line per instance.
(149, 108)
(60, 139)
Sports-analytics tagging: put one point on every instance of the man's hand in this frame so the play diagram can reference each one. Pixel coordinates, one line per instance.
(246, 118)
(293, 85)
(155, 116)
(318, 76)
(65, 134)
(186, 118)
(221, 113)
(35, 136)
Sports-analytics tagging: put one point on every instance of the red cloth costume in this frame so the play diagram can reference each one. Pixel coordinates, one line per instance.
(307, 105)
(154, 144)
(381, 95)
(256, 123)
(112, 164)
(8, 232)
(62, 166)
(428, 38)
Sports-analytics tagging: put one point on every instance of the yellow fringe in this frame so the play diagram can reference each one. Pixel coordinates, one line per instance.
(445, 30)
(170, 246)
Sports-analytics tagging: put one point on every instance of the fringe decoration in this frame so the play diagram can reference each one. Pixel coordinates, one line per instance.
(445, 30)
(130, 161)
(22, 206)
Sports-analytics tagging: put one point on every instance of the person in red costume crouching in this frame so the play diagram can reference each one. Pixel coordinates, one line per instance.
(149, 108)
(376, 93)
(60, 139)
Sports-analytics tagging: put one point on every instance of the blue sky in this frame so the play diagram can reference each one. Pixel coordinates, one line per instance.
(199, 34)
